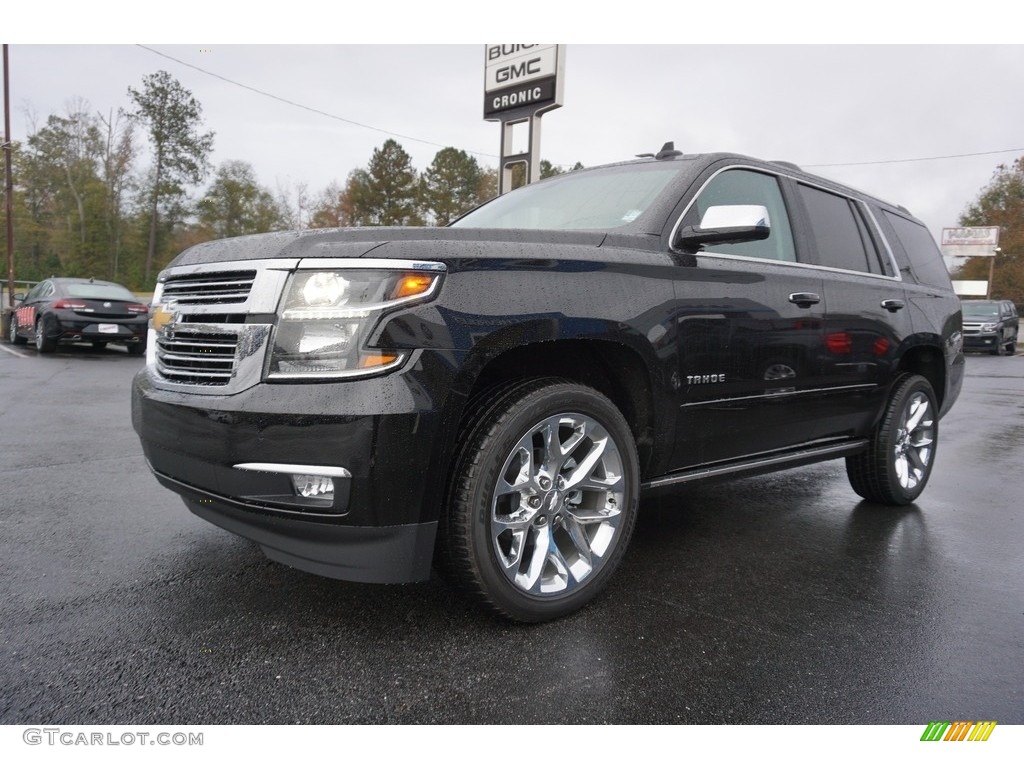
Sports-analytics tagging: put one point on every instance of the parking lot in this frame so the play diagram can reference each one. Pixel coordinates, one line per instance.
(777, 599)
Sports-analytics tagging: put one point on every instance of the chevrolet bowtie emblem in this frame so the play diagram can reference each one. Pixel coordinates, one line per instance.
(161, 316)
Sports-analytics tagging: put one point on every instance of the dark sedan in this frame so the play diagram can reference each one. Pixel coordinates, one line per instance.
(67, 310)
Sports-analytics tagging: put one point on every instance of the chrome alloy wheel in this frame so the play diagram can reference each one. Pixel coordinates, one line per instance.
(915, 436)
(557, 505)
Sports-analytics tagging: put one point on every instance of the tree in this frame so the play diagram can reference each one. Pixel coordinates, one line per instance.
(118, 156)
(387, 192)
(235, 203)
(1000, 204)
(172, 118)
(333, 208)
(451, 185)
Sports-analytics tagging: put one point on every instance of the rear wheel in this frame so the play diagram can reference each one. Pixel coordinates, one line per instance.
(542, 499)
(44, 344)
(898, 462)
(99, 345)
(137, 349)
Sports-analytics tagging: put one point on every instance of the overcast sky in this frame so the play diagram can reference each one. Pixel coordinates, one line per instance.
(810, 104)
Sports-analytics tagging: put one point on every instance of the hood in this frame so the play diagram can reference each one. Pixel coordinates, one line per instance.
(360, 241)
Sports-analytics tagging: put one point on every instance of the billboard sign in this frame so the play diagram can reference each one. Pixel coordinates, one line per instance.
(960, 242)
(522, 78)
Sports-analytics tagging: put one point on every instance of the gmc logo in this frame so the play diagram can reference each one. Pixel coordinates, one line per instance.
(513, 71)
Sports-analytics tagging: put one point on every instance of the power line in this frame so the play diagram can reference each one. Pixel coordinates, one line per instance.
(303, 106)
(915, 159)
(386, 132)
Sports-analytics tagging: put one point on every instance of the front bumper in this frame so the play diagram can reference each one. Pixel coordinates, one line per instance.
(387, 432)
(982, 341)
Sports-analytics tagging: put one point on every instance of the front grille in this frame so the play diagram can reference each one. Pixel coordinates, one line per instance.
(197, 357)
(209, 288)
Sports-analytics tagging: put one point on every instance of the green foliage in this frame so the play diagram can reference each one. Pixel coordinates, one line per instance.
(235, 204)
(451, 185)
(172, 118)
(1000, 204)
(387, 192)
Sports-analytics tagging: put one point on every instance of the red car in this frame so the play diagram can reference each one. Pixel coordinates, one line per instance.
(68, 309)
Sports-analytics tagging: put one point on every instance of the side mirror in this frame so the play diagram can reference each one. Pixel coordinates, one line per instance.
(19, 297)
(726, 224)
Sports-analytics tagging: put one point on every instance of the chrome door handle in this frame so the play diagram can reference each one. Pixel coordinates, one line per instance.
(804, 300)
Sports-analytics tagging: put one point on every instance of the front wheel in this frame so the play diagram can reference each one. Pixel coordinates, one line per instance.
(898, 462)
(1011, 346)
(12, 332)
(542, 499)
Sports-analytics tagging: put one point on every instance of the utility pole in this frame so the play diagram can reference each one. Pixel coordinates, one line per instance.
(8, 185)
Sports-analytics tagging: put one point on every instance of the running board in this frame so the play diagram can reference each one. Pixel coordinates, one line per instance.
(764, 463)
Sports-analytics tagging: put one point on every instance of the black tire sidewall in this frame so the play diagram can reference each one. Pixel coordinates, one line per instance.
(517, 420)
(894, 418)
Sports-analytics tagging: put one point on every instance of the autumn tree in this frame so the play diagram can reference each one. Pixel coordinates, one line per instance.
(235, 203)
(1000, 204)
(333, 208)
(387, 192)
(451, 185)
(172, 118)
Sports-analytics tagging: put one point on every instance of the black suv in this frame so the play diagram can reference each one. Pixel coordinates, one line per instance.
(494, 396)
(990, 325)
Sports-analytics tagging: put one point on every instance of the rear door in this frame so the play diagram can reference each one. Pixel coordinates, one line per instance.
(867, 320)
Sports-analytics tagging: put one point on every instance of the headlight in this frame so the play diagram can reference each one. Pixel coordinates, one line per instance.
(327, 316)
(988, 327)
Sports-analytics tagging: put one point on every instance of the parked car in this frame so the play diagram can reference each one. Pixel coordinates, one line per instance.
(494, 396)
(990, 325)
(64, 310)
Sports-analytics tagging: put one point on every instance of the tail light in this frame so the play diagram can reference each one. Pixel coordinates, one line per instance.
(138, 308)
(68, 304)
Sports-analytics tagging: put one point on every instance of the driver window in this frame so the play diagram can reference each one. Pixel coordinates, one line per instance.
(742, 187)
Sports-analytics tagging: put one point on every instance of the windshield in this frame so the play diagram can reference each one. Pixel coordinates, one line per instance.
(981, 308)
(99, 291)
(603, 199)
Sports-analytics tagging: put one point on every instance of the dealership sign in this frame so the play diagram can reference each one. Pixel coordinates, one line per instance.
(520, 78)
(969, 241)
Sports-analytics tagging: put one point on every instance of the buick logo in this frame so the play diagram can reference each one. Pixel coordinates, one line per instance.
(106, 304)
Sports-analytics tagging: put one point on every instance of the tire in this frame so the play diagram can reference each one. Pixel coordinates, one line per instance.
(99, 345)
(12, 333)
(137, 349)
(1011, 346)
(542, 499)
(997, 350)
(44, 345)
(898, 462)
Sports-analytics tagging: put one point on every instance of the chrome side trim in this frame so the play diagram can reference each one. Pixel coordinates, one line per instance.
(294, 469)
(807, 455)
(777, 395)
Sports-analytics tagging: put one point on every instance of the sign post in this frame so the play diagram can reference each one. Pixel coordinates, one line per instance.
(522, 81)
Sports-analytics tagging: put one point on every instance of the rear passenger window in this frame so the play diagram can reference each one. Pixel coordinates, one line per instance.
(925, 257)
(741, 187)
(841, 235)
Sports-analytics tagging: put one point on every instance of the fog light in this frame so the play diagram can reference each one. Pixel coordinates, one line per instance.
(314, 486)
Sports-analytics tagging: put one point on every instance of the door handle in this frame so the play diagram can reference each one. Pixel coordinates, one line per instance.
(893, 305)
(804, 300)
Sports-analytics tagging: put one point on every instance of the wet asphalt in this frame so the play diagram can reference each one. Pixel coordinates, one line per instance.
(776, 599)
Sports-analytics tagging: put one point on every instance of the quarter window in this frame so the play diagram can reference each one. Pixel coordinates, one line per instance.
(742, 187)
